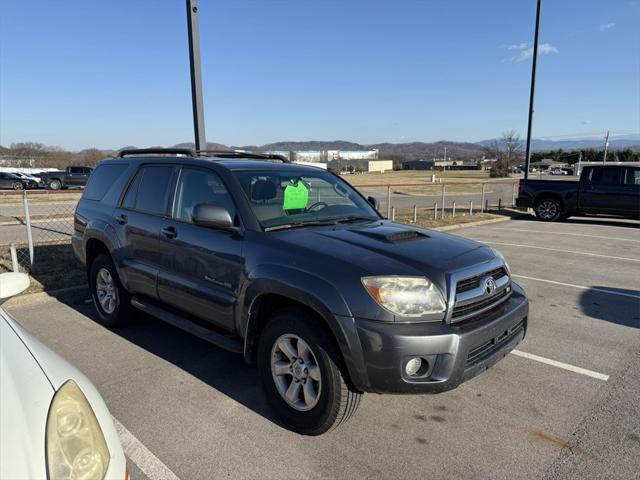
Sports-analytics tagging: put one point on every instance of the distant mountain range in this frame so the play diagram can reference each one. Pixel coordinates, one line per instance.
(617, 143)
(423, 150)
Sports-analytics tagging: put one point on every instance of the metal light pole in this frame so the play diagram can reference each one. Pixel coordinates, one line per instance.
(527, 159)
(196, 74)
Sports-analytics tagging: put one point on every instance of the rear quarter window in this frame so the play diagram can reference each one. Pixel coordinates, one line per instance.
(102, 179)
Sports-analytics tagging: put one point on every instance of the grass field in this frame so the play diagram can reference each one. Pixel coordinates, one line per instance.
(403, 177)
(7, 198)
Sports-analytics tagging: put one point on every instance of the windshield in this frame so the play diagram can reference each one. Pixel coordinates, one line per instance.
(287, 198)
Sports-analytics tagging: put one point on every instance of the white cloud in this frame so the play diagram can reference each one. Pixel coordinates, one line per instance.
(526, 54)
(586, 122)
(518, 46)
(607, 26)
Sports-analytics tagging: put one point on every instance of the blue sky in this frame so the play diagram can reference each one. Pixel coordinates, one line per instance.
(114, 73)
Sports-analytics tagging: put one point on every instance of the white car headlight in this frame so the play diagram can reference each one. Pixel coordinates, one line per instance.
(76, 448)
(406, 296)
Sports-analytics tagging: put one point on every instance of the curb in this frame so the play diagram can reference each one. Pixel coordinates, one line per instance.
(471, 224)
(69, 294)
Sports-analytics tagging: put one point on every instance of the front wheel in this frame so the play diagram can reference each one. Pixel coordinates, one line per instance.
(55, 184)
(18, 186)
(109, 296)
(299, 369)
(548, 210)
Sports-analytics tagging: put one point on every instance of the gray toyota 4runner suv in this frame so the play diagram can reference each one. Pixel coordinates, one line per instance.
(291, 267)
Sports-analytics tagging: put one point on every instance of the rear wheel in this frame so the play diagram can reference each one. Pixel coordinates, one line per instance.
(55, 184)
(548, 210)
(109, 296)
(301, 376)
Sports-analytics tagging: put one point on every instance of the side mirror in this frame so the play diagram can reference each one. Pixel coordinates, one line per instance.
(12, 283)
(375, 203)
(212, 216)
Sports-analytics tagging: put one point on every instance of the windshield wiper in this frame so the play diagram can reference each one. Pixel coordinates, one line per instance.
(287, 226)
(356, 218)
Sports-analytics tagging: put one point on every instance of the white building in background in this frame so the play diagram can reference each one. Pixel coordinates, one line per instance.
(372, 154)
(326, 156)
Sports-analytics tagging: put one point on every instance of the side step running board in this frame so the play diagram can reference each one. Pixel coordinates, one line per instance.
(182, 323)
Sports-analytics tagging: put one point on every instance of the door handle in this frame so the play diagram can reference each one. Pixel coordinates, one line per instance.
(170, 232)
(122, 219)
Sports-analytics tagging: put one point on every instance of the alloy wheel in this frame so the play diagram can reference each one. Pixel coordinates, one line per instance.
(296, 372)
(106, 291)
(548, 209)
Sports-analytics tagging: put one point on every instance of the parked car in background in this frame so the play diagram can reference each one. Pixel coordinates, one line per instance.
(53, 422)
(557, 171)
(602, 189)
(15, 182)
(70, 177)
(294, 269)
(27, 176)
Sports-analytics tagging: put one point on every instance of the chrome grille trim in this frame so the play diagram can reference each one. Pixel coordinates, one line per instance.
(472, 292)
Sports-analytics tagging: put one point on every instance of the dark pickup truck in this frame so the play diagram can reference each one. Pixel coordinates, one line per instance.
(71, 177)
(602, 189)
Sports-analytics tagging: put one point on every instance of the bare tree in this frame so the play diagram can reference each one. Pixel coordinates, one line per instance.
(507, 151)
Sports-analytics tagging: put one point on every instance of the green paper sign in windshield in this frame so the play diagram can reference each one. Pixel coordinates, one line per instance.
(296, 196)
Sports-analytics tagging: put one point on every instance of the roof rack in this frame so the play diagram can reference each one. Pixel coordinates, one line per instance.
(156, 151)
(250, 155)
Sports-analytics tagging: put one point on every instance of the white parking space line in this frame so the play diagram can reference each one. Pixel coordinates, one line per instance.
(575, 252)
(146, 461)
(618, 239)
(564, 366)
(581, 287)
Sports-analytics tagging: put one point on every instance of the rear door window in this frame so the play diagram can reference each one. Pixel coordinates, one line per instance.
(605, 176)
(150, 189)
(633, 176)
(105, 177)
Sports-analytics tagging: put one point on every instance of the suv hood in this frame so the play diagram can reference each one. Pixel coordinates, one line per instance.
(391, 248)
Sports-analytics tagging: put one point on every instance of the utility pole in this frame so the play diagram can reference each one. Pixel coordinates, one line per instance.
(196, 74)
(606, 147)
(579, 164)
(445, 153)
(527, 159)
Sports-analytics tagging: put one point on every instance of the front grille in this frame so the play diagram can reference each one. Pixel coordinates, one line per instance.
(486, 349)
(474, 282)
(470, 308)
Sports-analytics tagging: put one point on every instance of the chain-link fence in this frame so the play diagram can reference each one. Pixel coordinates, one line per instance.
(35, 227)
(462, 197)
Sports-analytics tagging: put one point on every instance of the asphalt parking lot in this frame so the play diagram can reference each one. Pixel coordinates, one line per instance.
(565, 405)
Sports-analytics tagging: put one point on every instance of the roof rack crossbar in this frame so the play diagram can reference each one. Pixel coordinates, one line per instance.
(156, 151)
(234, 154)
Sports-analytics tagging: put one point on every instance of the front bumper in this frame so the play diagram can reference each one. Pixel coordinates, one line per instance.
(454, 353)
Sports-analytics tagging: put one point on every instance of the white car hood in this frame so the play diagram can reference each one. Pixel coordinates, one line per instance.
(25, 396)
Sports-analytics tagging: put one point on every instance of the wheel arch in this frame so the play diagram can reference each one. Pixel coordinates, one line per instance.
(268, 297)
(551, 195)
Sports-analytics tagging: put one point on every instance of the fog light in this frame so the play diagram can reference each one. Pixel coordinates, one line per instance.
(413, 366)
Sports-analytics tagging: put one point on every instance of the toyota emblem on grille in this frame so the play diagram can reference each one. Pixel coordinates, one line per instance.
(489, 285)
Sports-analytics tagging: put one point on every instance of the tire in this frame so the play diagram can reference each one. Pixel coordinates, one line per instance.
(18, 186)
(55, 184)
(114, 313)
(548, 210)
(334, 402)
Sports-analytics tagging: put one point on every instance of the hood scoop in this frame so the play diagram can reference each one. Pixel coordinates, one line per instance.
(392, 234)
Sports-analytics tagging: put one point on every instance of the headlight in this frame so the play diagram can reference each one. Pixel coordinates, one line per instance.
(76, 448)
(406, 296)
(504, 260)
